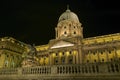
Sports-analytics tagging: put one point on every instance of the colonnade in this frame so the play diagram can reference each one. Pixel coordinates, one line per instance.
(60, 58)
(65, 57)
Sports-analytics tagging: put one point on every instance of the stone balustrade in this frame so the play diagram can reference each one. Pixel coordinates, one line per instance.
(74, 72)
(37, 70)
(97, 68)
(10, 71)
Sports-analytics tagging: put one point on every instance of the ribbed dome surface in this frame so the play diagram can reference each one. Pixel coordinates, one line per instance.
(68, 15)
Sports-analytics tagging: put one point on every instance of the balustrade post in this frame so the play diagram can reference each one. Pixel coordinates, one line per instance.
(54, 70)
(19, 71)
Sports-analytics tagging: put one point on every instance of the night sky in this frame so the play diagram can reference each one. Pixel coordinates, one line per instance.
(34, 22)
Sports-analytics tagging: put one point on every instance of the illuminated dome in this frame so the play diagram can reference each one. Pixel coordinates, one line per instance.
(68, 15)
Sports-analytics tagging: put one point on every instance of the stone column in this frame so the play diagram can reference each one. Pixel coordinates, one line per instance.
(107, 57)
(66, 58)
(79, 55)
(49, 59)
(59, 58)
(116, 56)
(98, 56)
(77, 59)
(74, 57)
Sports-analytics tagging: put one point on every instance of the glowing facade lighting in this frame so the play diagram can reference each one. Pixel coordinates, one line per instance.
(64, 45)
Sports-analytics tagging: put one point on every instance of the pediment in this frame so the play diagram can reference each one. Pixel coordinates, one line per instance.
(60, 44)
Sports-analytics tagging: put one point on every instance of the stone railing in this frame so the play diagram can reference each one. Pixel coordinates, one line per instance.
(98, 68)
(36, 70)
(11, 71)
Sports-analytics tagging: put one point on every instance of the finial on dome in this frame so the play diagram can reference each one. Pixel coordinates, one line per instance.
(68, 8)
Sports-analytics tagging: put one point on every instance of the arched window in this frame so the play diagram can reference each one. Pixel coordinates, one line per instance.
(102, 60)
(87, 61)
(63, 53)
(70, 52)
(63, 60)
(56, 54)
(7, 55)
(64, 27)
(101, 52)
(70, 59)
(6, 63)
(74, 32)
(95, 60)
(65, 32)
(70, 25)
(74, 27)
(94, 53)
(109, 52)
(111, 59)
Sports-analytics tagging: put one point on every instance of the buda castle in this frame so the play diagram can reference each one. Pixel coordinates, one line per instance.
(68, 56)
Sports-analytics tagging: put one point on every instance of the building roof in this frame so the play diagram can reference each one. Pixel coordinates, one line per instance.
(102, 39)
(42, 47)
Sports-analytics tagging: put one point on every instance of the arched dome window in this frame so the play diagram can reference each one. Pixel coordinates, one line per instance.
(74, 27)
(74, 32)
(64, 27)
(65, 32)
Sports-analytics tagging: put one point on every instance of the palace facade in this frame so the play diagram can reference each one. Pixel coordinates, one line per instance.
(68, 56)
